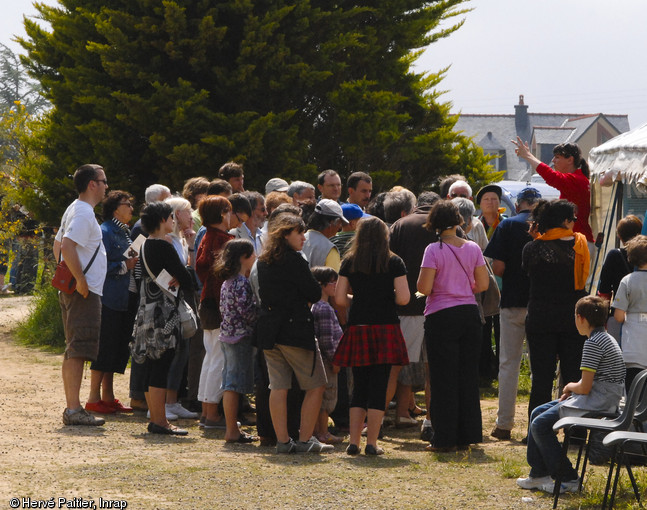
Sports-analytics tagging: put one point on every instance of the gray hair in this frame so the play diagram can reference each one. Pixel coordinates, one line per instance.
(460, 184)
(154, 192)
(465, 208)
(397, 202)
(298, 187)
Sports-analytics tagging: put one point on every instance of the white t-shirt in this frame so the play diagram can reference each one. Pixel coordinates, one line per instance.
(631, 297)
(80, 225)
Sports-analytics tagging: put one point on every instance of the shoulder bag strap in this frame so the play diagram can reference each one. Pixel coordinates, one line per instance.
(92, 259)
(141, 251)
(469, 279)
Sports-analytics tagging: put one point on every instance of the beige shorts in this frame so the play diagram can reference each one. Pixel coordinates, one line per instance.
(413, 331)
(329, 400)
(82, 324)
(284, 360)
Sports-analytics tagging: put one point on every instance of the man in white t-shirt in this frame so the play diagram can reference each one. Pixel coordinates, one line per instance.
(79, 243)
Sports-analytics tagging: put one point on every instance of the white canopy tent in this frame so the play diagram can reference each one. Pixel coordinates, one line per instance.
(622, 163)
(623, 159)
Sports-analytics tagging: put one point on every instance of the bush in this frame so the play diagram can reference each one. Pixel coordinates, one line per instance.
(44, 326)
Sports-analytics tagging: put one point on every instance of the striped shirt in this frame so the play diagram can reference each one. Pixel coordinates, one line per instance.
(602, 355)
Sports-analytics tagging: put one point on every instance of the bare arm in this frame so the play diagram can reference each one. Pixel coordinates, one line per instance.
(619, 315)
(68, 249)
(402, 294)
(581, 387)
(523, 151)
(57, 249)
(341, 293)
(482, 279)
(498, 267)
(426, 280)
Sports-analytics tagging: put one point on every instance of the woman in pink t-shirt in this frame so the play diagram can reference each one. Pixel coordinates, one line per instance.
(452, 271)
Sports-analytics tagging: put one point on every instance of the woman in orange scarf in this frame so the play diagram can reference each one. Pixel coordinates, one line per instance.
(557, 263)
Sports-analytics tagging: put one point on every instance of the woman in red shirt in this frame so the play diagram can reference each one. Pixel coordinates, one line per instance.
(570, 177)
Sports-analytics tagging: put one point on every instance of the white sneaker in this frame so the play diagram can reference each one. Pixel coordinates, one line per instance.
(570, 486)
(180, 411)
(169, 416)
(535, 482)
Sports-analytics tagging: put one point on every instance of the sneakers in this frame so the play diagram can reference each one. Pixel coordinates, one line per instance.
(180, 411)
(169, 415)
(536, 482)
(426, 431)
(402, 422)
(571, 486)
(313, 445)
(81, 417)
(100, 407)
(289, 447)
(502, 434)
(118, 406)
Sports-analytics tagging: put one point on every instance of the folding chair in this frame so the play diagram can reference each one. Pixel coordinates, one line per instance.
(619, 441)
(635, 400)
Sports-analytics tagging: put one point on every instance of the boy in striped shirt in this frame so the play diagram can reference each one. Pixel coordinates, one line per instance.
(599, 389)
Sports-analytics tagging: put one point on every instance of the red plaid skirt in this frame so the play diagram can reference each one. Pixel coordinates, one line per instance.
(371, 345)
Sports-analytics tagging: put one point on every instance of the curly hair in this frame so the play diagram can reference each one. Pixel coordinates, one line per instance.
(112, 201)
(277, 245)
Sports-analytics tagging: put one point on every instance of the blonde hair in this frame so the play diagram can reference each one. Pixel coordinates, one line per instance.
(179, 204)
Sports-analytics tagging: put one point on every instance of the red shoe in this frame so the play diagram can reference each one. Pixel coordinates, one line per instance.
(118, 406)
(100, 407)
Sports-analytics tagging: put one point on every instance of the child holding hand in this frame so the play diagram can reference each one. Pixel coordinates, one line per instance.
(328, 332)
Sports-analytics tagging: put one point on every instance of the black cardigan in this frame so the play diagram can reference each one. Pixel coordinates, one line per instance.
(287, 288)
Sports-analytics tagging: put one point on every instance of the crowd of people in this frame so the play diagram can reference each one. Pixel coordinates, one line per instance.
(326, 310)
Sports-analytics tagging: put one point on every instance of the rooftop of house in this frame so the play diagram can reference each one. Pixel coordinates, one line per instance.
(494, 132)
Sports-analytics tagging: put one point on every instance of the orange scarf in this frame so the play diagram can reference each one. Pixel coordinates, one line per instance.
(582, 255)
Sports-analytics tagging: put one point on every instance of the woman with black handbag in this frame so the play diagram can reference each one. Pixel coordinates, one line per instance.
(157, 327)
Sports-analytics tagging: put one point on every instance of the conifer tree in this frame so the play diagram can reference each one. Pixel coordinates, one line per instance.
(163, 91)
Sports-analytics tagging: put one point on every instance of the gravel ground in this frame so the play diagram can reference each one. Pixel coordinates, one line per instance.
(42, 459)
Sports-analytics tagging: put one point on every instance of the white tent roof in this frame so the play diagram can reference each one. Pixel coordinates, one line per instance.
(622, 158)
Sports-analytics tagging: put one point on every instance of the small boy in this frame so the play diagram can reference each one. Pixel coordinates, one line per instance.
(630, 303)
(328, 332)
(599, 389)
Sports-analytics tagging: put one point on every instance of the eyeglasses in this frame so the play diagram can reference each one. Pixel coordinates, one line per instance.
(454, 195)
(101, 180)
(126, 203)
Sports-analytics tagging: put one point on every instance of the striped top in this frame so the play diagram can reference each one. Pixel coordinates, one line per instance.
(602, 355)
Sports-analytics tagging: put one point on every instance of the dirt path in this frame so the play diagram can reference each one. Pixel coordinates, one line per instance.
(42, 459)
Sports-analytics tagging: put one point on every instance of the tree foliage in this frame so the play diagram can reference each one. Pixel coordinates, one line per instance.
(162, 91)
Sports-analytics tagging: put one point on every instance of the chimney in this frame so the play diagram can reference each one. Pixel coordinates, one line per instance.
(521, 121)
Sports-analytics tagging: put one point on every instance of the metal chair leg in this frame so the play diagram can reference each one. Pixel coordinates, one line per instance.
(633, 483)
(558, 476)
(609, 476)
(617, 477)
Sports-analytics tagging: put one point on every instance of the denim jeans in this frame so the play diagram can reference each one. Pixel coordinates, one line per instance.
(544, 452)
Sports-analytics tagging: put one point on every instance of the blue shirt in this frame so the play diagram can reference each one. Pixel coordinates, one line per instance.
(506, 245)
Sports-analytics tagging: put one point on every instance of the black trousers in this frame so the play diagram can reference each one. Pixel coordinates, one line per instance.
(545, 349)
(453, 339)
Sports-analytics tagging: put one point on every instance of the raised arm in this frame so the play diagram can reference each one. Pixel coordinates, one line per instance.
(523, 151)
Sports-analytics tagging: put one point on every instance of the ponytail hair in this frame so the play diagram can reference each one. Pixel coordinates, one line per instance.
(569, 150)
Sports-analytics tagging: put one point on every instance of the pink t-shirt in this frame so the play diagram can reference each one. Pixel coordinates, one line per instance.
(451, 284)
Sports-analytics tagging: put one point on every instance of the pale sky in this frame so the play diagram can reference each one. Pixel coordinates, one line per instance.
(564, 56)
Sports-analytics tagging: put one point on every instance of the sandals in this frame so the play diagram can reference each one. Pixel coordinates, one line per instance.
(328, 438)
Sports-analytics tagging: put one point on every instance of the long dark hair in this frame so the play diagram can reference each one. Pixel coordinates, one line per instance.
(277, 246)
(369, 250)
(569, 150)
(227, 263)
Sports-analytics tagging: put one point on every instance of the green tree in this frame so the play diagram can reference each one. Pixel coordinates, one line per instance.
(161, 91)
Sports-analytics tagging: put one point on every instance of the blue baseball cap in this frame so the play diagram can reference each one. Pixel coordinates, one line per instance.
(528, 193)
(353, 212)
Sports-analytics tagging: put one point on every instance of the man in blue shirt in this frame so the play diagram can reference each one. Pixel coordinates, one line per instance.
(505, 248)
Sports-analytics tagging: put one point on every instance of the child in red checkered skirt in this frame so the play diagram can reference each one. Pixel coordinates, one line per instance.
(376, 279)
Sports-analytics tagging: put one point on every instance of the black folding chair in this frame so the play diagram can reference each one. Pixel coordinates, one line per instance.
(619, 441)
(635, 400)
